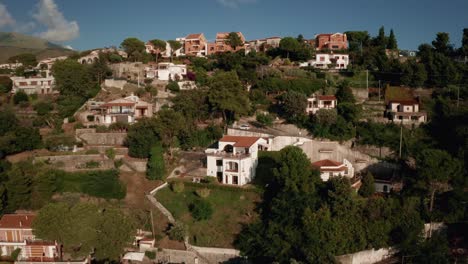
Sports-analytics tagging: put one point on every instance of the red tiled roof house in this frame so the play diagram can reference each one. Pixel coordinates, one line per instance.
(16, 232)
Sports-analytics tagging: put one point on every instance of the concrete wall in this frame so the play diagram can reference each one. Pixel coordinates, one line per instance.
(111, 139)
(281, 142)
(138, 165)
(365, 257)
(77, 162)
(119, 151)
(115, 83)
(361, 94)
(319, 150)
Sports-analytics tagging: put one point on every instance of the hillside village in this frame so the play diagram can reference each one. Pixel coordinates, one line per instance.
(340, 148)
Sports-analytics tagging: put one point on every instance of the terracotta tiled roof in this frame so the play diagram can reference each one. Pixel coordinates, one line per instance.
(21, 221)
(240, 141)
(119, 102)
(405, 102)
(193, 36)
(326, 97)
(327, 163)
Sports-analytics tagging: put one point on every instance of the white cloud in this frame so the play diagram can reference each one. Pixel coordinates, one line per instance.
(235, 3)
(59, 29)
(5, 17)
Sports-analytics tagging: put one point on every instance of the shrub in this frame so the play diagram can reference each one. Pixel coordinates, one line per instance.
(19, 97)
(209, 180)
(201, 210)
(59, 142)
(177, 231)
(43, 108)
(203, 193)
(140, 92)
(265, 119)
(118, 126)
(177, 187)
(92, 164)
(92, 151)
(24, 104)
(15, 254)
(118, 163)
(102, 129)
(78, 126)
(173, 87)
(110, 153)
(156, 168)
(150, 254)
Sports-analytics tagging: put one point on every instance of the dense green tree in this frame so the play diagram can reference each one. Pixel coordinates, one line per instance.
(175, 45)
(6, 84)
(73, 79)
(19, 187)
(193, 104)
(201, 210)
(159, 45)
(27, 59)
(156, 169)
(414, 74)
(115, 233)
(173, 86)
(83, 228)
(349, 111)
(170, 125)
(367, 187)
(464, 46)
(133, 47)
(19, 97)
(436, 168)
(442, 43)
(234, 40)
(289, 44)
(294, 105)
(381, 39)
(344, 93)
(8, 121)
(227, 96)
(392, 42)
(141, 137)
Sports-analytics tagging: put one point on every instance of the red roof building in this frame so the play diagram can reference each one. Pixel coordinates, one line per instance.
(337, 41)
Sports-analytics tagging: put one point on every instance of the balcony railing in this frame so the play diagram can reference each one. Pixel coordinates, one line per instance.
(228, 155)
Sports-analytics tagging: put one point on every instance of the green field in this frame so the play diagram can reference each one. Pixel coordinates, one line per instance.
(232, 207)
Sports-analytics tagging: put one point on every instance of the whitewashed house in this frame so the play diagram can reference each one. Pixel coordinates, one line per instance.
(406, 111)
(317, 102)
(34, 85)
(328, 61)
(124, 110)
(329, 168)
(235, 159)
(170, 71)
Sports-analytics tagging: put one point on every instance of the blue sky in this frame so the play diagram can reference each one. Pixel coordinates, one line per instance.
(86, 24)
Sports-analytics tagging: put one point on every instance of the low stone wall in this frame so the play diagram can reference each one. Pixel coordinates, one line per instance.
(361, 94)
(366, 256)
(119, 151)
(208, 250)
(138, 165)
(117, 139)
(115, 83)
(74, 163)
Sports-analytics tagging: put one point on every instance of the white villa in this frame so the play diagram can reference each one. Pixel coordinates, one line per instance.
(167, 71)
(125, 110)
(329, 168)
(406, 111)
(34, 85)
(328, 61)
(235, 160)
(317, 102)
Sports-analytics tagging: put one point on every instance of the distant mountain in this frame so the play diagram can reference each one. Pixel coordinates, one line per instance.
(12, 44)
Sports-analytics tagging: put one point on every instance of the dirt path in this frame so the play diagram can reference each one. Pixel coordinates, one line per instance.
(137, 186)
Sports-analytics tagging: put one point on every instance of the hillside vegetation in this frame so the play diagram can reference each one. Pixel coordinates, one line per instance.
(12, 44)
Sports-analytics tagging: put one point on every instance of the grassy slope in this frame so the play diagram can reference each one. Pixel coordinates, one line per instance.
(231, 210)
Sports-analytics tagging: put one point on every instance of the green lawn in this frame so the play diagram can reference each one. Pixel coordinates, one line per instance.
(232, 208)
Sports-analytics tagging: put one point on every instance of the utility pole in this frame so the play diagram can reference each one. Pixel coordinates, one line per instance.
(152, 223)
(458, 96)
(367, 79)
(379, 91)
(401, 137)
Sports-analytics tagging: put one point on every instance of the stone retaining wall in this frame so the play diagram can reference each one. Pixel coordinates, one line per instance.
(103, 138)
(74, 163)
(366, 257)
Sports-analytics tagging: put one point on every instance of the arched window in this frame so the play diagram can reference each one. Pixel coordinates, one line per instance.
(229, 149)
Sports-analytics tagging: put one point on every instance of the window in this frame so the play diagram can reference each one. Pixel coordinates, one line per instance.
(385, 188)
(219, 162)
(322, 58)
(219, 176)
(235, 180)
